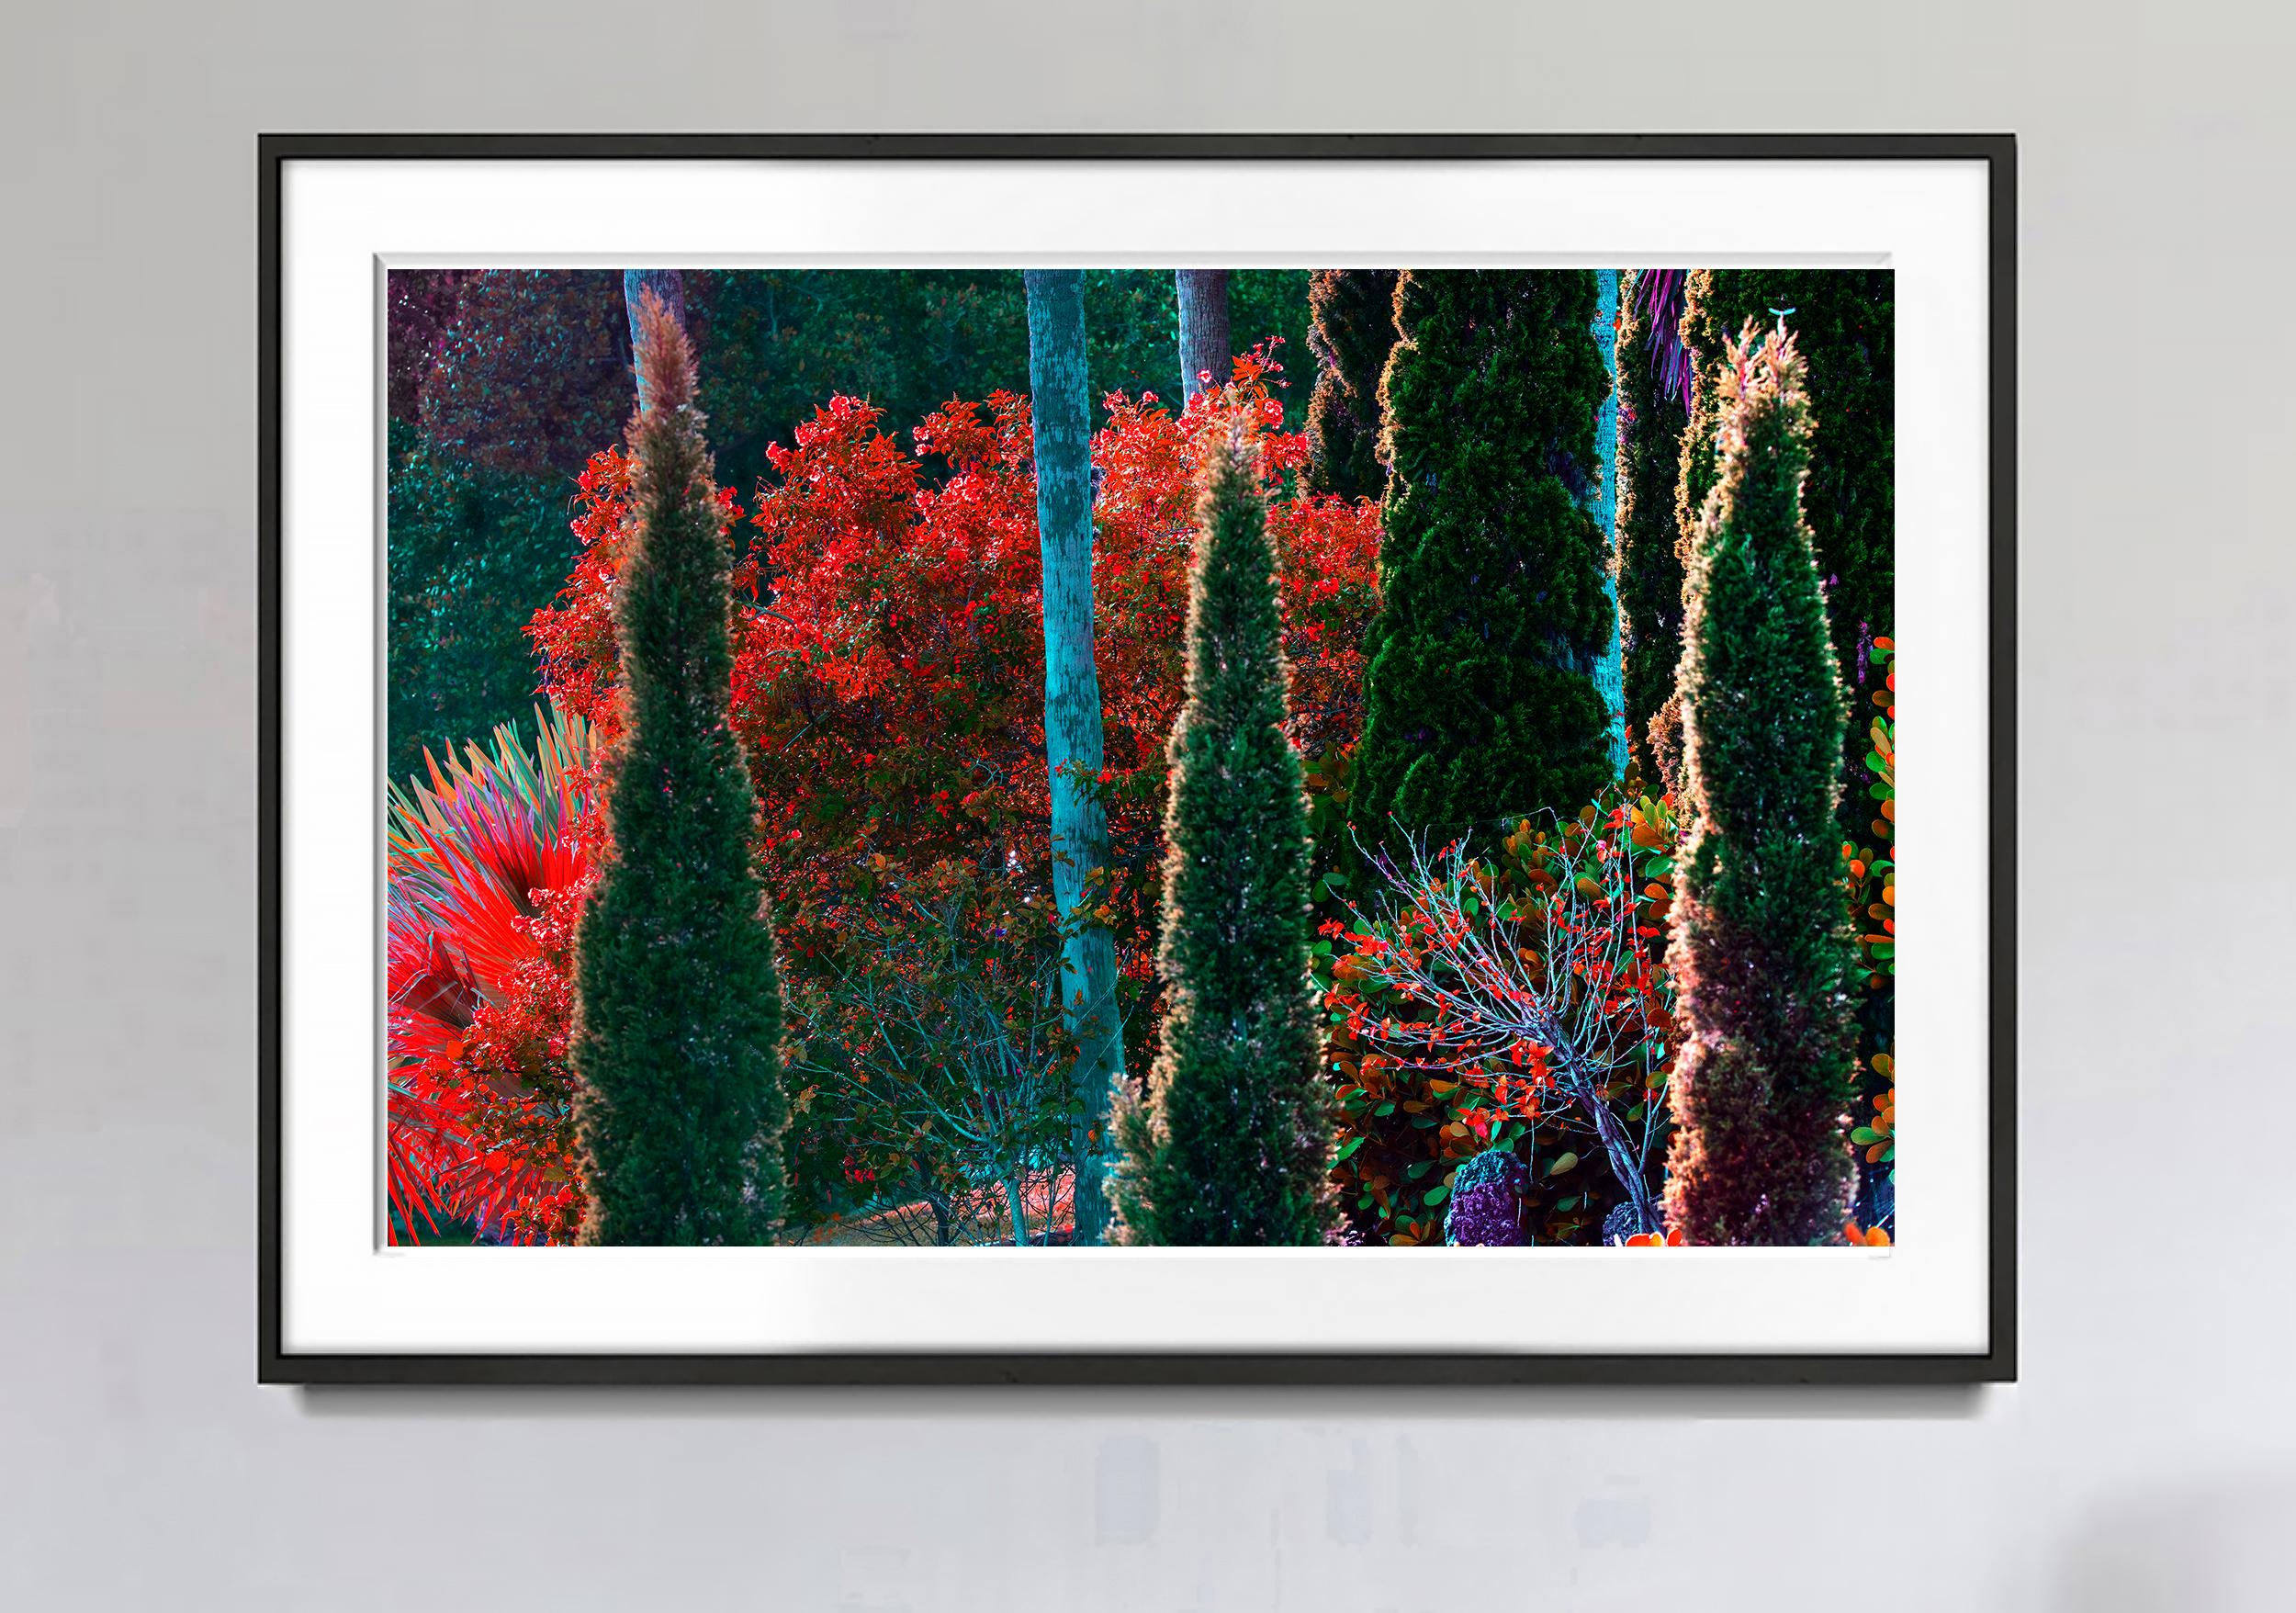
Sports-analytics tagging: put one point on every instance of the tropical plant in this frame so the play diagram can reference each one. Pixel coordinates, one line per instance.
(1232, 1145)
(1761, 954)
(677, 1043)
(486, 864)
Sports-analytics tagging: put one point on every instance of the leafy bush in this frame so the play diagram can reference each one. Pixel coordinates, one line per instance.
(1516, 1001)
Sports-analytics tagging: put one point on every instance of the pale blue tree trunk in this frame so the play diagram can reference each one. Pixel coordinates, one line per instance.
(1609, 670)
(1204, 351)
(666, 284)
(1061, 415)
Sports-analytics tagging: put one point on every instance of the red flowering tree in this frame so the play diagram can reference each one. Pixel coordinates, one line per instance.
(888, 681)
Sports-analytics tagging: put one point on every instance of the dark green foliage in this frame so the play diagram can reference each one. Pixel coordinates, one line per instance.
(678, 1037)
(1762, 955)
(1480, 699)
(1234, 1144)
(471, 553)
(1845, 324)
(1650, 548)
(777, 344)
(1133, 320)
(1352, 331)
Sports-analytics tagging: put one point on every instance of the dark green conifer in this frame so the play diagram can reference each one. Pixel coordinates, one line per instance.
(1479, 700)
(1352, 331)
(1761, 953)
(678, 1036)
(1233, 1143)
(1845, 324)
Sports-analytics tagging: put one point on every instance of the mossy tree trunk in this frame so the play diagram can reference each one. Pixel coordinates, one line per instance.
(1072, 733)
(1206, 360)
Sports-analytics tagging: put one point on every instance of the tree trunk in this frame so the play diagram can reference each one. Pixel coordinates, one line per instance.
(1204, 349)
(666, 284)
(1072, 720)
(1610, 682)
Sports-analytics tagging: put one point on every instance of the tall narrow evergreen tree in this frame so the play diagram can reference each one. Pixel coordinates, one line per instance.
(1233, 1145)
(1480, 699)
(1650, 550)
(1353, 331)
(1762, 955)
(1844, 324)
(1204, 350)
(1073, 735)
(678, 1038)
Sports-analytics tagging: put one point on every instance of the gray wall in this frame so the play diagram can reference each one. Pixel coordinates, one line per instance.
(2148, 1460)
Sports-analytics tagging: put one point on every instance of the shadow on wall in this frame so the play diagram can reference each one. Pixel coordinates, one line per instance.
(2221, 1547)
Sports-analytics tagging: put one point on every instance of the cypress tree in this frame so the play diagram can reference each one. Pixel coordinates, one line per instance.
(1649, 552)
(1761, 952)
(1844, 324)
(1352, 331)
(678, 1036)
(1233, 1146)
(1479, 700)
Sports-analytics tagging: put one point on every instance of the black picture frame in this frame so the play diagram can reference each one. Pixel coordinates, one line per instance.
(1996, 1363)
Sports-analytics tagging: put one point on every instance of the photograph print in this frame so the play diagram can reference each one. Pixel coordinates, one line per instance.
(1354, 758)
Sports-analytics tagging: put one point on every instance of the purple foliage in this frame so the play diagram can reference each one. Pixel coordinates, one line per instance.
(1659, 295)
(1486, 1206)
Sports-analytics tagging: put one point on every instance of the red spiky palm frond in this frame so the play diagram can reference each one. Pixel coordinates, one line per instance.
(485, 864)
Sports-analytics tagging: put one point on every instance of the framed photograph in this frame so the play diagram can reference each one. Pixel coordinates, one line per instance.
(1137, 759)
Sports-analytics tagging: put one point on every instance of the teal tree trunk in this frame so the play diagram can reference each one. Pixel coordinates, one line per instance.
(1845, 324)
(679, 1024)
(1609, 667)
(1652, 416)
(1762, 955)
(1071, 723)
(668, 286)
(1206, 360)
(1233, 1145)
(1479, 703)
(1351, 331)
